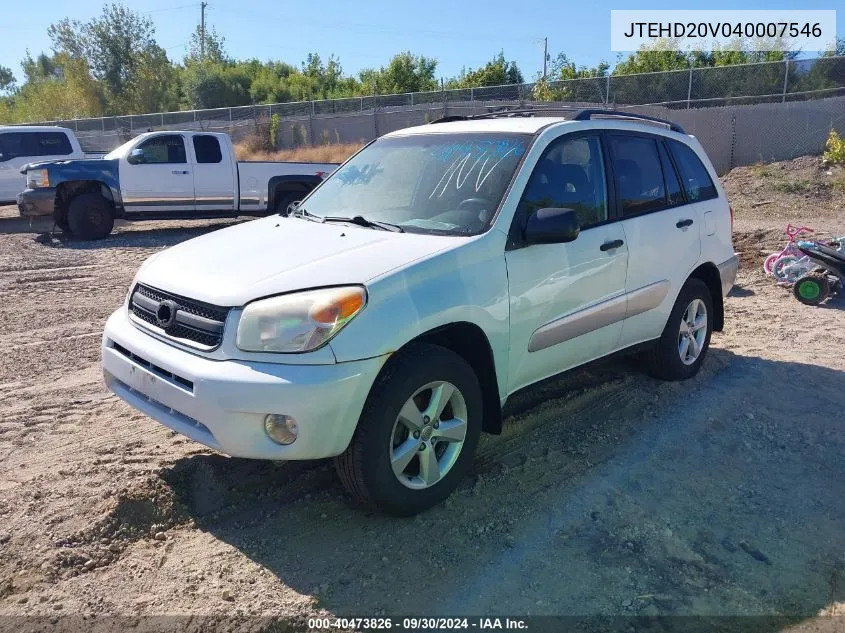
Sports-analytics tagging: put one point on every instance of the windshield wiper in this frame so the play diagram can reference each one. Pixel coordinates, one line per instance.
(301, 212)
(360, 220)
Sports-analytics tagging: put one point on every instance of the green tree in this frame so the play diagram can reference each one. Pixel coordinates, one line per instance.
(215, 47)
(497, 72)
(406, 72)
(120, 49)
(7, 80)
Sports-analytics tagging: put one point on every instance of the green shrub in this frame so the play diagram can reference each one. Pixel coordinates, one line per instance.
(834, 149)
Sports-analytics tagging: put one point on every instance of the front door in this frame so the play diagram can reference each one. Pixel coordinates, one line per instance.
(567, 300)
(163, 181)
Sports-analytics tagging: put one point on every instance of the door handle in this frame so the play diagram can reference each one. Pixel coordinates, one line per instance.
(179, 172)
(684, 223)
(611, 245)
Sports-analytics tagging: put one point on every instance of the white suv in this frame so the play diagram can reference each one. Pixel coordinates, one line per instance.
(435, 273)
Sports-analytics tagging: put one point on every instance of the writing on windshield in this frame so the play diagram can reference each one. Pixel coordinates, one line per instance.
(478, 157)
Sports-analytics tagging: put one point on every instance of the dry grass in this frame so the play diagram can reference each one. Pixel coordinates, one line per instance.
(334, 153)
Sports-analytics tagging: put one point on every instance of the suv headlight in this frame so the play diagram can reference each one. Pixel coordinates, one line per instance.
(37, 178)
(300, 321)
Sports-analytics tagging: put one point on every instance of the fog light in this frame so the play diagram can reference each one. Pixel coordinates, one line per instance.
(282, 429)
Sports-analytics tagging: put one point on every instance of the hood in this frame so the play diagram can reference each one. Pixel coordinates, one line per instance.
(88, 163)
(233, 266)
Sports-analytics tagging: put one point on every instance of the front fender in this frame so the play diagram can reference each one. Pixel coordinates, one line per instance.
(464, 284)
(102, 171)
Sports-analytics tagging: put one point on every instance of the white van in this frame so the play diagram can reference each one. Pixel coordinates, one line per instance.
(21, 145)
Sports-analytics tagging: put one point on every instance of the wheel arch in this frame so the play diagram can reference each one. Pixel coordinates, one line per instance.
(69, 189)
(709, 274)
(469, 342)
(280, 185)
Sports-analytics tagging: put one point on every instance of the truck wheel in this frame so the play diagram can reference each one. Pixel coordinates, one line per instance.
(417, 433)
(60, 218)
(284, 200)
(811, 290)
(681, 348)
(90, 216)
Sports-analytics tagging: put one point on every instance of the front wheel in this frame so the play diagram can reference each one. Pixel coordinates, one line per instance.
(811, 290)
(681, 348)
(417, 433)
(90, 216)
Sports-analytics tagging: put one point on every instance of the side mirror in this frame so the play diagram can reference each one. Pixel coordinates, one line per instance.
(551, 226)
(136, 156)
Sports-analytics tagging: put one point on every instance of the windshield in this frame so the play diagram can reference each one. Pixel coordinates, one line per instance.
(118, 152)
(426, 183)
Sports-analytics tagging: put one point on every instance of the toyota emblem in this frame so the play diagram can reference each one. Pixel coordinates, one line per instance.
(166, 313)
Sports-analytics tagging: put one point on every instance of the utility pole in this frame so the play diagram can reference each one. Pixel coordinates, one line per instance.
(545, 55)
(203, 5)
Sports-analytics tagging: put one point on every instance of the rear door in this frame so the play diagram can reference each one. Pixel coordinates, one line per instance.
(163, 182)
(19, 148)
(661, 228)
(214, 177)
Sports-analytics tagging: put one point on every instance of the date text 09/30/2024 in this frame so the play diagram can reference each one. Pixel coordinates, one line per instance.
(417, 624)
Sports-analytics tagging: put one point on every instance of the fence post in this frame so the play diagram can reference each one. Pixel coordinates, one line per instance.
(162, 119)
(785, 79)
(443, 93)
(689, 88)
(103, 121)
(607, 90)
(230, 117)
(375, 107)
(472, 97)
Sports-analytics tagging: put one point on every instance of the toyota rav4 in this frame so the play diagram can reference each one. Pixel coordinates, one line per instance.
(432, 275)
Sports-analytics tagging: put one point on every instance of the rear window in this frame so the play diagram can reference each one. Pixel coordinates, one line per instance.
(638, 174)
(696, 180)
(17, 144)
(207, 149)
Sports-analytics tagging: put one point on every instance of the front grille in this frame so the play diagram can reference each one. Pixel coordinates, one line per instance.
(195, 323)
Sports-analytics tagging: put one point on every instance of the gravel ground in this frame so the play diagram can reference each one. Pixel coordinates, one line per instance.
(609, 493)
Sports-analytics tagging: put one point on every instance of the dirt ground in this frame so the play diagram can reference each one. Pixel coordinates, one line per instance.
(609, 493)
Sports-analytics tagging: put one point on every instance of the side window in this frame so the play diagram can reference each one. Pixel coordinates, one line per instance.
(569, 174)
(638, 174)
(11, 145)
(697, 182)
(670, 178)
(49, 144)
(207, 149)
(168, 148)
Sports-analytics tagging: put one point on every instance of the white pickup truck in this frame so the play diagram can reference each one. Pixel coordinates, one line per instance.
(23, 144)
(162, 175)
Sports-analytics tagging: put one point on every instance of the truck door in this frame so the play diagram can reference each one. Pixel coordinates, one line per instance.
(159, 180)
(214, 178)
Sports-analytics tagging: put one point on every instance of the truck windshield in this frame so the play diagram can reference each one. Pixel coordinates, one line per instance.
(425, 183)
(118, 152)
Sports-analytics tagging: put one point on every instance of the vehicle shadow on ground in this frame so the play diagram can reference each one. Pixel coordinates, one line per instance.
(711, 497)
(131, 238)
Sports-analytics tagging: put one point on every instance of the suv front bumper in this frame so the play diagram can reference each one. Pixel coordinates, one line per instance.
(37, 202)
(222, 404)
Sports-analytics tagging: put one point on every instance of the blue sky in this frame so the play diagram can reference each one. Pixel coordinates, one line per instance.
(366, 33)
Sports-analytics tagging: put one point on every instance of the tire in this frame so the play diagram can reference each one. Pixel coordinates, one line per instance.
(61, 221)
(769, 262)
(90, 216)
(366, 467)
(811, 290)
(664, 360)
(778, 268)
(284, 200)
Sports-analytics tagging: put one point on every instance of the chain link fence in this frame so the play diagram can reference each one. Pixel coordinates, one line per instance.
(712, 103)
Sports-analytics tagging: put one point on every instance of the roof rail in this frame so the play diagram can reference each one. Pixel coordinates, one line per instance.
(586, 115)
(580, 115)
